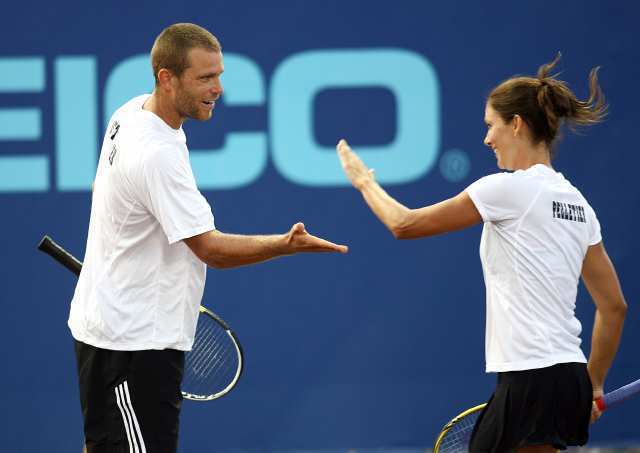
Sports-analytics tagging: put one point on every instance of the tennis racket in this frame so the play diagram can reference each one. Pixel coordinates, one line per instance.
(213, 366)
(455, 435)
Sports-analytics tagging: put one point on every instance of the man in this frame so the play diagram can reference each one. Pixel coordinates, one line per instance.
(151, 235)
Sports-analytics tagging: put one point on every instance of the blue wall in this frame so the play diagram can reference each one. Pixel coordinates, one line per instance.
(376, 348)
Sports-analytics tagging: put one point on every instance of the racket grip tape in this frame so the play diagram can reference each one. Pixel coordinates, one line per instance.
(58, 253)
(600, 404)
(620, 395)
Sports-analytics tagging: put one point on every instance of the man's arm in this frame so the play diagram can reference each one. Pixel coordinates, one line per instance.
(601, 281)
(449, 215)
(222, 250)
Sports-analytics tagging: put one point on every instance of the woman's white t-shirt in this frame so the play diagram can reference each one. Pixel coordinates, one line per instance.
(140, 285)
(537, 229)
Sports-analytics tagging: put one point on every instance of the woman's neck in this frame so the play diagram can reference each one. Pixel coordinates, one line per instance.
(533, 155)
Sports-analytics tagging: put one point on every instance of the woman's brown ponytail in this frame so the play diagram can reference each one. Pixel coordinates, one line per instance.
(545, 103)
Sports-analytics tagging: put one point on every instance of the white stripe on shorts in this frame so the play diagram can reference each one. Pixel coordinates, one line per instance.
(134, 435)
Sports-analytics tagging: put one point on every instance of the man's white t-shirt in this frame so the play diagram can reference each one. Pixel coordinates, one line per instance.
(140, 285)
(537, 229)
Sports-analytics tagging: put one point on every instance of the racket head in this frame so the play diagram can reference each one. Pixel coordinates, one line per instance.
(455, 435)
(214, 365)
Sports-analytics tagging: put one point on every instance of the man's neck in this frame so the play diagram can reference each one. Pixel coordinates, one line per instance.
(163, 109)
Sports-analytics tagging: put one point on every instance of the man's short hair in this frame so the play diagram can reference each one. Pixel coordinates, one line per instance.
(171, 48)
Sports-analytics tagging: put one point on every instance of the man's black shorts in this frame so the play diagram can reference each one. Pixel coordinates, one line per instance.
(546, 406)
(130, 399)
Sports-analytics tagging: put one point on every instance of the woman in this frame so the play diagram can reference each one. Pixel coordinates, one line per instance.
(540, 235)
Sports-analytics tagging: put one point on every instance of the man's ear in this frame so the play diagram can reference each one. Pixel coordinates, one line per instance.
(164, 78)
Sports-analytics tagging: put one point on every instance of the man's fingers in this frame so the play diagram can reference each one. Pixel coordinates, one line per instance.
(298, 228)
(339, 248)
(331, 247)
(300, 238)
(318, 244)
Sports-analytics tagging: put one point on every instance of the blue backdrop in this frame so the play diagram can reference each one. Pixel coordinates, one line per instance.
(374, 349)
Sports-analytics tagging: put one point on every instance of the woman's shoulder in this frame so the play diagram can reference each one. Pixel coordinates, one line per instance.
(507, 180)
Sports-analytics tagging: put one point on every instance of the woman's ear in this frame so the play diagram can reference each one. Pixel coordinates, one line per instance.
(517, 125)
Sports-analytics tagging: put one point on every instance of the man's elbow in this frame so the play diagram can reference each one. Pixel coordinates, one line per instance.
(207, 248)
(217, 262)
(211, 257)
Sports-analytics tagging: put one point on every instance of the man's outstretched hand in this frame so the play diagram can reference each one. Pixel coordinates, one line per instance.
(299, 240)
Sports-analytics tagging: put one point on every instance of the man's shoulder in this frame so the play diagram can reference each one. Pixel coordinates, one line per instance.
(131, 106)
(142, 128)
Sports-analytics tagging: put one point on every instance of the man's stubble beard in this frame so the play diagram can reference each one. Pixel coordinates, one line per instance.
(188, 107)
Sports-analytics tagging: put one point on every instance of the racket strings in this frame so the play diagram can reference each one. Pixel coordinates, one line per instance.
(212, 364)
(205, 335)
(207, 369)
(456, 439)
(215, 359)
(209, 352)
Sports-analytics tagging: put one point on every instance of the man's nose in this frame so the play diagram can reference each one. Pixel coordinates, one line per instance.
(218, 90)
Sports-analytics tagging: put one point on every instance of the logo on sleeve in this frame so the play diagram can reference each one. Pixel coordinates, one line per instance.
(568, 211)
(115, 127)
(112, 155)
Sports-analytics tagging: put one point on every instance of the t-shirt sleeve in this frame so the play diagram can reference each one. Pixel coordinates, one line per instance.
(497, 197)
(595, 235)
(170, 193)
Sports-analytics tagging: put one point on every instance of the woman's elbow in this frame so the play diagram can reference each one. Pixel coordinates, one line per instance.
(400, 233)
(622, 309)
(406, 228)
(617, 311)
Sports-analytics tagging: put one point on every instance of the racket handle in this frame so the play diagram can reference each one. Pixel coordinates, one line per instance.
(49, 246)
(618, 396)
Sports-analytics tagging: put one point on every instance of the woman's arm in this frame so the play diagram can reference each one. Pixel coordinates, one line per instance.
(600, 278)
(449, 215)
